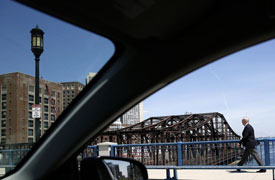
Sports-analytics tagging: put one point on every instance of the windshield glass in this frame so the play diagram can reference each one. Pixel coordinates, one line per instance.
(200, 118)
(65, 59)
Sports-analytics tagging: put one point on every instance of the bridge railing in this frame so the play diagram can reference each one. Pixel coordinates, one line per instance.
(10, 157)
(193, 153)
(202, 153)
(90, 151)
(266, 150)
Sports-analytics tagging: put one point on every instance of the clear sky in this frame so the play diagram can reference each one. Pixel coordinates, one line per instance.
(238, 85)
(69, 52)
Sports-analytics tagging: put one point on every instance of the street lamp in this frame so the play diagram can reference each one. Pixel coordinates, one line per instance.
(37, 49)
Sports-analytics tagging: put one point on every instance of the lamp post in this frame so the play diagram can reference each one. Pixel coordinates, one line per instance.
(37, 49)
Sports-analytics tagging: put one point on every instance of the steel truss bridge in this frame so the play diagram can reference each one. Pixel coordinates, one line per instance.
(176, 128)
(194, 128)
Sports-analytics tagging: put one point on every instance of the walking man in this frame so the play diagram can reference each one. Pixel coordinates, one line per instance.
(249, 142)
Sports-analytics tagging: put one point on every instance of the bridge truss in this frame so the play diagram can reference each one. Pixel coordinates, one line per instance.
(175, 128)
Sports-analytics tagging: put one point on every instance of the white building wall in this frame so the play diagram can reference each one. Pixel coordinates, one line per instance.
(89, 77)
(133, 116)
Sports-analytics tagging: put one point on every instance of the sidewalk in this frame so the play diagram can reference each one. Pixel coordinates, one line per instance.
(212, 175)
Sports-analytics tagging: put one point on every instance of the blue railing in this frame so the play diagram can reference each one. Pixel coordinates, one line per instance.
(181, 153)
(90, 151)
(266, 150)
(9, 158)
(201, 153)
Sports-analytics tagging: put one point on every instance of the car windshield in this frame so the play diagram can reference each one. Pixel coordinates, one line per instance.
(66, 58)
(45, 63)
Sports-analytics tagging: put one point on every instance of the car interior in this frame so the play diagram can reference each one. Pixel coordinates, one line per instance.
(156, 42)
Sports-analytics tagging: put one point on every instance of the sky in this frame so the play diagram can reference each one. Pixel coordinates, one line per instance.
(238, 85)
(241, 84)
(76, 51)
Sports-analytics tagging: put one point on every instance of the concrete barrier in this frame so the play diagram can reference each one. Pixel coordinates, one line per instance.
(104, 149)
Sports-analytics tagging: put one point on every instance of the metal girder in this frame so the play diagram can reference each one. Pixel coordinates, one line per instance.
(189, 127)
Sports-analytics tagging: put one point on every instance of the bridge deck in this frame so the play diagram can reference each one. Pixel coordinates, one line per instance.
(212, 174)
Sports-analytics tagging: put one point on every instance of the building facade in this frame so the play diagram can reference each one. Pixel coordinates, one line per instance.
(133, 116)
(70, 91)
(17, 92)
(89, 77)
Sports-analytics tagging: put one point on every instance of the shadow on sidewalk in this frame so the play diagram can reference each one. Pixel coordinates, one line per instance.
(178, 179)
(242, 171)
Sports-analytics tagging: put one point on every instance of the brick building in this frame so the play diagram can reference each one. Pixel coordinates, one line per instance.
(70, 91)
(17, 98)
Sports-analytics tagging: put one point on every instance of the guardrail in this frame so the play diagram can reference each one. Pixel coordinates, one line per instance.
(10, 157)
(181, 153)
(196, 155)
(193, 153)
(90, 151)
(187, 155)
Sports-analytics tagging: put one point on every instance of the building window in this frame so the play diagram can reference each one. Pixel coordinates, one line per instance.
(3, 140)
(58, 94)
(46, 125)
(46, 101)
(46, 108)
(4, 105)
(52, 117)
(3, 132)
(3, 123)
(52, 110)
(30, 106)
(46, 116)
(31, 98)
(30, 132)
(30, 123)
(30, 140)
(4, 114)
(40, 90)
(31, 89)
(4, 87)
(40, 100)
(30, 114)
(4, 97)
(52, 101)
(53, 93)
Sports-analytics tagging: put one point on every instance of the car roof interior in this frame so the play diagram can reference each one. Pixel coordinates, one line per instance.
(156, 42)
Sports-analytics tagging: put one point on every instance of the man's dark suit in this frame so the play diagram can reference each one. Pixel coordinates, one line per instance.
(249, 143)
